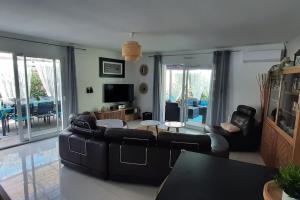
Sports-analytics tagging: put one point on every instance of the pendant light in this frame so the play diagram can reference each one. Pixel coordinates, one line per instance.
(131, 50)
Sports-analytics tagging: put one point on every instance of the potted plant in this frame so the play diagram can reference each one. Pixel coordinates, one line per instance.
(288, 179)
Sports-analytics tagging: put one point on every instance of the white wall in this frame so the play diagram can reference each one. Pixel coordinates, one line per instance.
(87, 74)
(145, 101)
(293, 46)
(243, 87)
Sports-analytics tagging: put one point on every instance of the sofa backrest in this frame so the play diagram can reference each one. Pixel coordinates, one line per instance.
(247, 110)
(130, 136)
(196, 143)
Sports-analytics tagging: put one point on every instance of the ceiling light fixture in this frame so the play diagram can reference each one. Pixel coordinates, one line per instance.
(131, 50)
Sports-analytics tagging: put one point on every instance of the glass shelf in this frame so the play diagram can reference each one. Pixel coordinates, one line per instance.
(288, 105)
(273, 98)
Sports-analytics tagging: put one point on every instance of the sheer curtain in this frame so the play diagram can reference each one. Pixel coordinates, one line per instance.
(22, 80)
(45, 71)
(7, 80)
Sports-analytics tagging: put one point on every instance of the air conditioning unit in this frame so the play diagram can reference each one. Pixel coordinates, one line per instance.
(262, 56)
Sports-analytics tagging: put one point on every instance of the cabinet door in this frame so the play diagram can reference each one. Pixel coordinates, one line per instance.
(283, 152)
(268, 145)
(288, 105)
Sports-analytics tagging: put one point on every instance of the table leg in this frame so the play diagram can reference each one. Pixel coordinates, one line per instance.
(156, 129)
(147, 128)
(3, 127)
(168, 129)
(177, 130)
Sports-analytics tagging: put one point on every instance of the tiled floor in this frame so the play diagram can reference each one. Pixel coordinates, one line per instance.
(33, 171)
(38, 129)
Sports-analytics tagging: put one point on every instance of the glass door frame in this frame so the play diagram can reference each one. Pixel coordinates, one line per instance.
(18, 99)
(183, 106)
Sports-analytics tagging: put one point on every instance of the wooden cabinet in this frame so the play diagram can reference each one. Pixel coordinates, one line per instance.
(280, 135)
(127, 114)
(268, 144)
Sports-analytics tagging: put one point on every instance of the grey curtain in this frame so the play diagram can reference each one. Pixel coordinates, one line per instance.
(219, 84)
(69, 86)
(157, 87)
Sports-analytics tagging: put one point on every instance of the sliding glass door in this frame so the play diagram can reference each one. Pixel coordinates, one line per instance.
(187, 94)
(30, 98)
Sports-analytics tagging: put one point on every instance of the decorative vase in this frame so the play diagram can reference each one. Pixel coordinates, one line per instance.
(285, 196)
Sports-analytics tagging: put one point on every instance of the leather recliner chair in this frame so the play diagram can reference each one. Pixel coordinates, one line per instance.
(247, 139)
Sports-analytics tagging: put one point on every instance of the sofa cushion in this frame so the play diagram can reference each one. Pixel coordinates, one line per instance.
(84, 121)
(96, 133)
(196, 143)
(85, 124)
(130, 136)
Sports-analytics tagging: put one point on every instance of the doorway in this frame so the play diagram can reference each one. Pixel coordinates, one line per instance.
(187, 94)
(30, 98)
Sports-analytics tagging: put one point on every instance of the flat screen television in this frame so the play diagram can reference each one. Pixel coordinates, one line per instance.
(118, 93)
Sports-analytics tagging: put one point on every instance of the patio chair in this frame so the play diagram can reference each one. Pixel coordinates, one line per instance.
(44, 110)
(23, 117)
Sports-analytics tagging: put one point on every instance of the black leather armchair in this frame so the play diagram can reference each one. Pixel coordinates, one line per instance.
(248, 138)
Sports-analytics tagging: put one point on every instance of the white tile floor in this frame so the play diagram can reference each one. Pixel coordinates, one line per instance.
(33, 171)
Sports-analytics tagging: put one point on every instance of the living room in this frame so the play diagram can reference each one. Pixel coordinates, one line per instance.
(106, 100)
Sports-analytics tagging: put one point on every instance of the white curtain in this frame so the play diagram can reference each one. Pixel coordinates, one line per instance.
(45, 71)
(22, 82)
(7, 80)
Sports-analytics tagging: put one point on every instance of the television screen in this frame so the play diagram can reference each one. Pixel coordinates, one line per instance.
(118, 93)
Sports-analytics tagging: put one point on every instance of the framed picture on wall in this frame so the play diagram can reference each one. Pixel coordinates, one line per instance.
(109, 67)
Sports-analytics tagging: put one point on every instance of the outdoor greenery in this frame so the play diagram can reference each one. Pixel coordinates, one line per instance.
(288, 180)
(37, 90)
(204, 95)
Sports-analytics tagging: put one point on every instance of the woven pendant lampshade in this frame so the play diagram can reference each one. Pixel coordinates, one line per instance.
(131, 51)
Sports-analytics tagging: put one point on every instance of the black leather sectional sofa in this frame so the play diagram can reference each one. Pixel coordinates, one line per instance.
(129, 154)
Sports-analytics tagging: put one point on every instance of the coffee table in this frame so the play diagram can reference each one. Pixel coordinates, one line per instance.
(175, 125)
(149, 123)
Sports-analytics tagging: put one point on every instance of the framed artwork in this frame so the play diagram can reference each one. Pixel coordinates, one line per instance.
(297, 58)
(109, 67)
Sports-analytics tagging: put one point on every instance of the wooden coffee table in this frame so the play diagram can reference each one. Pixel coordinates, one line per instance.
(175, 125)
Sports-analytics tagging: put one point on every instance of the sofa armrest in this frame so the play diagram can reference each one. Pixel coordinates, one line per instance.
(219, 145)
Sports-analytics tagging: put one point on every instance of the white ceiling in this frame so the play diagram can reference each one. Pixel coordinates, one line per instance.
(161, 25)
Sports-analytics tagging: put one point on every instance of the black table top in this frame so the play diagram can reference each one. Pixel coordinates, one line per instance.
(203, 177)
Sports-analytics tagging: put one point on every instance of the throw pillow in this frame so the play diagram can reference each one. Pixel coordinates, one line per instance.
(230, 127)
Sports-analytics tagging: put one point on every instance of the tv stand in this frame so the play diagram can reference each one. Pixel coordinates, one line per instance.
(127, 114)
